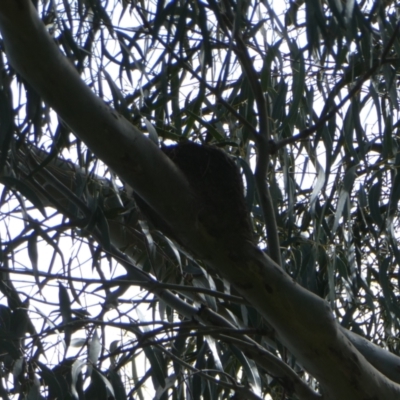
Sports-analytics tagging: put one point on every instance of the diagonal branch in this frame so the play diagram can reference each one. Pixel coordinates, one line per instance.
(303, 322)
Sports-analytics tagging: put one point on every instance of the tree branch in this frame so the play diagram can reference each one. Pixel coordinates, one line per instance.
(303, 322)
(327, 115)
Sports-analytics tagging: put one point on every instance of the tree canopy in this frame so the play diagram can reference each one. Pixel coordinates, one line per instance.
(199, 200)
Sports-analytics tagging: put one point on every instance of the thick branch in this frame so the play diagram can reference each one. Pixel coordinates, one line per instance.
(33, 53)
(303, 321)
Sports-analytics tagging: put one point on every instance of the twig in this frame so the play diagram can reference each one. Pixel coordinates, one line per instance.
(262, 142)
(307, 132)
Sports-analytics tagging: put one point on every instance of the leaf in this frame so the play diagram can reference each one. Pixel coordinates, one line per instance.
(118, 385)
(251, 371)
(154, 356)
(153, 136)
(104, 230)
(298, 70)
(136, 380)
(279, 102)
(34, 390)
(118, 98)
(250, 183)
(66, 314)
(78, 342)
(18, 369)
(200, 364)
(93, 352)
(206, 281)
(343, 201)
(105, 381)
(332, 268)
(6, 125)
(374, 197)
(160, 16)
(5, 319)
(76, 370)
(348, 129)
(57, 386)
(362, 197)
(321, 178)
(33, 256)
(202, 21)
(18, 185)
(65, 304)
(384, 282)
(395, 190)
(157, 365)
(212, 345)
(113, 348)
(19, 322)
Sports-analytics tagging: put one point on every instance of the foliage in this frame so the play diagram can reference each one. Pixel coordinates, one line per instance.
(82, 317)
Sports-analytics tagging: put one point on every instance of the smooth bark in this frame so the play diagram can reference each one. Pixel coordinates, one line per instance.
(303, 322)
